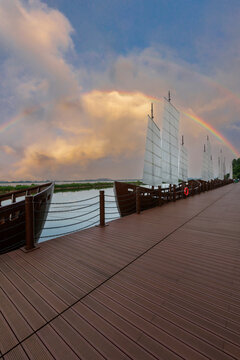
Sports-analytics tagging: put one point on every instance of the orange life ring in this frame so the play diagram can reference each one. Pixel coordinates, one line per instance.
(186, 191)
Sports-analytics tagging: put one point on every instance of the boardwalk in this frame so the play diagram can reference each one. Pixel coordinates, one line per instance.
(160, 285)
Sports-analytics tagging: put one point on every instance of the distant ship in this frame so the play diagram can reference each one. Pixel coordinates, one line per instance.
(165, 161)
(13, 215)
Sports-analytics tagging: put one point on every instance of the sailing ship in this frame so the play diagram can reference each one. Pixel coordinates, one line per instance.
(165, 162)
(13, 215)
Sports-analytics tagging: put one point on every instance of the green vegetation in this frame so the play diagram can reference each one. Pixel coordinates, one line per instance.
(82, 186)
(87, 186)
(67, 187)
(8, 188)
(236, 168)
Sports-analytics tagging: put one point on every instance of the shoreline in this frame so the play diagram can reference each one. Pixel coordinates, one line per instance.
(66, 187)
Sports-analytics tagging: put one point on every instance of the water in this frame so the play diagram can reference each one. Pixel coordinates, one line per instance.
(73, 211)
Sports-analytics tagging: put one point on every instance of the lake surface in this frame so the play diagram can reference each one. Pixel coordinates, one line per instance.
(73, 211)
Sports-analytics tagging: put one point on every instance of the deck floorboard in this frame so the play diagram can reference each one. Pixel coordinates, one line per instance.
(160, 285)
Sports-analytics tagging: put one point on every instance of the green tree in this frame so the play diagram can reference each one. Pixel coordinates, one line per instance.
(236, 168)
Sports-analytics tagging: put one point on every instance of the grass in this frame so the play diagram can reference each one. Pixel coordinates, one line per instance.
(67, 187)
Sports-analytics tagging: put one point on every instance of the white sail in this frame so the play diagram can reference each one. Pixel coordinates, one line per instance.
(183, 163)
(152, 171)
(207, 162)
(221, 166)
(210, 160)
(171, 118)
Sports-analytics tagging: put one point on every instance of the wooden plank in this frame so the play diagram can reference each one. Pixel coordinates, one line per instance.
(170, 299)
(19, 301)
(55, 344)
(14, 318)
(112, 333)
(76, 341)
(7, 339)
(16, 354)
(93, 336)
(35, 349)
(139, 328)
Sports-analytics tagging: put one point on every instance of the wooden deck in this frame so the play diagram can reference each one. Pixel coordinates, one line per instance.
(160, 285)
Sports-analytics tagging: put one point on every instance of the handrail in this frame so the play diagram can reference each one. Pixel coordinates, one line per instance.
(22, 192)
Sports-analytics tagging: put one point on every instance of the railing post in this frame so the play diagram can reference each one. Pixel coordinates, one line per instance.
(29, 220)
(174, 192)
(170, 193)
(102, 208)
(160, 195)
(138, 201)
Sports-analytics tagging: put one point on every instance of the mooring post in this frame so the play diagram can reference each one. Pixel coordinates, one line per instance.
(159, 195)
(102, 208)
(29, 220)
(138, 201)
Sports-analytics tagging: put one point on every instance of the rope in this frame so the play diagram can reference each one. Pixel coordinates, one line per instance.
(73, 217)
(73, 202)
(63, 226)
(56, 211)
(70, 232)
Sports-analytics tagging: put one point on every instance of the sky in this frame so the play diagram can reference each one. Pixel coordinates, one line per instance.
(77, 79)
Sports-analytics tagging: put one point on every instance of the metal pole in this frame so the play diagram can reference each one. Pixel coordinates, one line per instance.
(29, 207)
(138, 201)
(102, 208)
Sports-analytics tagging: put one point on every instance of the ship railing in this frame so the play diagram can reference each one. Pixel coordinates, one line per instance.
(64, 218)
(13, 195)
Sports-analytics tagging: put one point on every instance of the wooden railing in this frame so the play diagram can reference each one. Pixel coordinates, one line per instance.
(132, 199)
(17, 225)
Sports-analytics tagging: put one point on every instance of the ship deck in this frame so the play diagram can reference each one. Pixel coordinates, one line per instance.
(163, 284)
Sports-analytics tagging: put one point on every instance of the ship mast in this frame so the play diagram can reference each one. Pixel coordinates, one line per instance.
(169, 96)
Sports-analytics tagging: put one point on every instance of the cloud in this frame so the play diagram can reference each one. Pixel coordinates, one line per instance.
(64, 132)
(39, 37)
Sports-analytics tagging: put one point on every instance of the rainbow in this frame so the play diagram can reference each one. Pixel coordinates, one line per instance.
(23, 114)
(195, 118)
(216, 133)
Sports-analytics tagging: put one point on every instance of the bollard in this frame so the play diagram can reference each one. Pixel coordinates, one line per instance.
(29, 220)
(138, 201)
(102, 208)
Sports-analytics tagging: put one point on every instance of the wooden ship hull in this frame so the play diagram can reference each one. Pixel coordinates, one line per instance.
(13, 216)
(126, 195)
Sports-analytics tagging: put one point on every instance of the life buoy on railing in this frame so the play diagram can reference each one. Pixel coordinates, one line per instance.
(186, 191)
